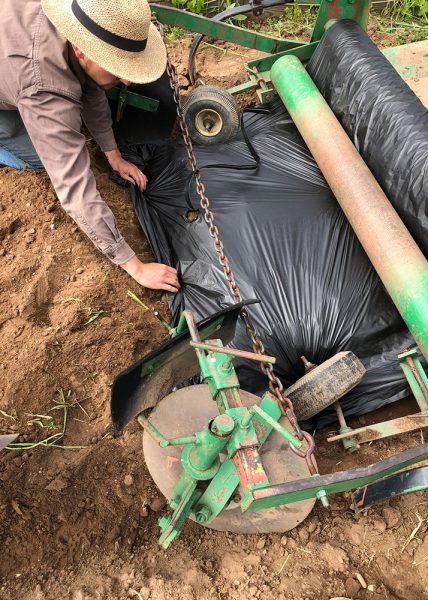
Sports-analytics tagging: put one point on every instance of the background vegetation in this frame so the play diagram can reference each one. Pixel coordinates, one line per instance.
(401, 20)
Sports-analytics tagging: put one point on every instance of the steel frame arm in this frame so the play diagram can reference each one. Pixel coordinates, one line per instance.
(285, 493)
(229, 33)
(227, 14)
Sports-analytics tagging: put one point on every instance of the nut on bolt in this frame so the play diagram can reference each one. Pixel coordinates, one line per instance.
(322, 496)
(203, 514)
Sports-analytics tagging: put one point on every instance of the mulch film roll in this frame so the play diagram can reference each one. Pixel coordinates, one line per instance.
(287, 239)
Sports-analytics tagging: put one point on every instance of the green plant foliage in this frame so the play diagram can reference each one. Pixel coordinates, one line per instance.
(195, 6)
(408, 10)
(172, 34)
(203, 7)
(293, 21)
(405, 21)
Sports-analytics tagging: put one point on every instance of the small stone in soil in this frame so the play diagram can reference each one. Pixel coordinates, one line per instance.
(312, 526)
(261, 544)
(157, 504)
(79, 271)
(144, 512)
(352, 587)
(361, 580)
(392, 516)
(379, 525)
(128, 480)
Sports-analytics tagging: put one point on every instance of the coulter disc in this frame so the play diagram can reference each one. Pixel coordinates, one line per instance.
(188, 410)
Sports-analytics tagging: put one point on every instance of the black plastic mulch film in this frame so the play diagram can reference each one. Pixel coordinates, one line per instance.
(286, 237)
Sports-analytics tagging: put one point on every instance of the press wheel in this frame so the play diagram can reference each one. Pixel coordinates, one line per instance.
(187, 410)
(212, 115)
(323, 385)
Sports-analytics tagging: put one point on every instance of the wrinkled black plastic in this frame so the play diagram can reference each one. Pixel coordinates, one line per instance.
(288, 241)
(382, 116)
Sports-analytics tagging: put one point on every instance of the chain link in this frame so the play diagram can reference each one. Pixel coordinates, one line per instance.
(275, 384)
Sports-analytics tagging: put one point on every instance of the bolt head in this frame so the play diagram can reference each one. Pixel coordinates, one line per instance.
(223, 425)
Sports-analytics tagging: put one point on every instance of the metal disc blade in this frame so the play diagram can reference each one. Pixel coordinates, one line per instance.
(188, 410)
(7, 439)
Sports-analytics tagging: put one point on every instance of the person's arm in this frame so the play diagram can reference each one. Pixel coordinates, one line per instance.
(53, 123)
(97, 117)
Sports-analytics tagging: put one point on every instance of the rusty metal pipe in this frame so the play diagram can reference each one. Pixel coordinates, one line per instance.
(391, 249)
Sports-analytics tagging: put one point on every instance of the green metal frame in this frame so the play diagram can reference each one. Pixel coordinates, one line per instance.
(258, 70)
(237, 430)
(418, 382)
(241, 432)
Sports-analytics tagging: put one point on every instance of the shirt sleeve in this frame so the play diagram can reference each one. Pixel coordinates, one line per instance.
(97, 116)
(53, 123)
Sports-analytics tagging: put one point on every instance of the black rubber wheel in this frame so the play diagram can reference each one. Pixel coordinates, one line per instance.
(325, 384)
(212, 115)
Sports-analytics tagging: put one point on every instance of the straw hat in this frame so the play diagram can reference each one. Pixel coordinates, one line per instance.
(116, 34)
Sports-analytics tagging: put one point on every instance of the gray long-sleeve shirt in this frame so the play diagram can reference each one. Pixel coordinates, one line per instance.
(41, 78)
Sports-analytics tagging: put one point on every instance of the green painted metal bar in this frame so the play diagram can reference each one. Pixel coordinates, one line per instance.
(234, 352)
(275, 425)
(416, 377)
(243, 87)
(394, 254)
(162, 440)
(343, 481)
(132, 99)
(331, 10)
(222, 31)
(265, 64)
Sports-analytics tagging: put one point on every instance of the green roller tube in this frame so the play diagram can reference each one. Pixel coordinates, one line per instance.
(391, 249)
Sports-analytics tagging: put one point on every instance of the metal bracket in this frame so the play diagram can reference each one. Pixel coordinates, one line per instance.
(123, 96)
(418, 381)
(414, 480)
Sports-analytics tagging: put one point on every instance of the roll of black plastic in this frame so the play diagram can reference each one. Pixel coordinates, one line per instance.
(386, 121)
(286, 236)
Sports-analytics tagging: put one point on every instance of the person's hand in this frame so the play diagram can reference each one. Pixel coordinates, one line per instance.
(126, 170)
(152, 275)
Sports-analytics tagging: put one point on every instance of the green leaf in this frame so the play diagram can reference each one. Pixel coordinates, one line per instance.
(95, 314)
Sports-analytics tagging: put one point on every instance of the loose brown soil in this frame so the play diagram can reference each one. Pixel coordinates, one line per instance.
(81, 523)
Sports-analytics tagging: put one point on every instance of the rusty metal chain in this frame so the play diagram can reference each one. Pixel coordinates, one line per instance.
(275, 384)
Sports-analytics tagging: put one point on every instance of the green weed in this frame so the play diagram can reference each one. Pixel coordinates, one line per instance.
(95, 314)
(204, 7)
(172, 34)
(407, 10)
(405, 21)
(63, 404)
(138, 300)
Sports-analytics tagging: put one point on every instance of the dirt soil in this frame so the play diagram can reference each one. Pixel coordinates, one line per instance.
(79, 522)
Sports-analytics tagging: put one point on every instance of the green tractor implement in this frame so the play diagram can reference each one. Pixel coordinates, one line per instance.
(224, 457)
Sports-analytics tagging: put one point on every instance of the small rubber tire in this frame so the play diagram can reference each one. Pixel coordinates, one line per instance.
(321, 387)
(212, 115)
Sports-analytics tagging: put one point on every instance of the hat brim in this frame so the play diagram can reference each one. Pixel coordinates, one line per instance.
(137, 67)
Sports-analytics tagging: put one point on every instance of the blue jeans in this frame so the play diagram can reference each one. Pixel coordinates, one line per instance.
(16, 148)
